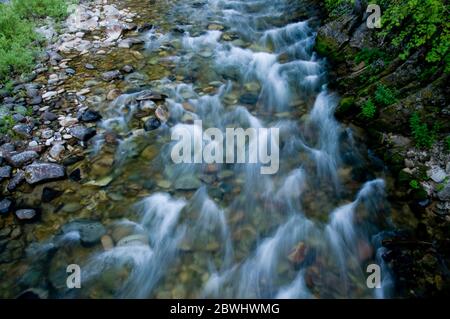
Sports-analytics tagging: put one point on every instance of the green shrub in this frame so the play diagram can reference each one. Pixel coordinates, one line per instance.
(447, 143)
(40, 8)
(368, 109)
(18, 41)
(423, 135)
(384, 96)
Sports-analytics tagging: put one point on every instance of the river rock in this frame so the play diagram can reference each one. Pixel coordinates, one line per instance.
(47, 133)
(113, 94)
(49, 194)
(42, 172)
(26, 214)
(444, 194)
(437, 174)
(90, 116)
(23, 130)
(5, 172)
(127, 68)
(145, 27)
(152, 124)
(107, 242)
(132, 240)
(162, 114)
(111, 75)
(56, 151)
(90, 231)
(17, 179)
(187, 182)
(82, 133)
(5, 206)
(49, 116)
(20, 159)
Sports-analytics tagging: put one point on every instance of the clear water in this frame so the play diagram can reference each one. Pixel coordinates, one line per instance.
(225, 230)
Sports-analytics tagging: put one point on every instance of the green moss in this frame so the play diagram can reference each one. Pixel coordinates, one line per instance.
(328, 47)
(345, 105)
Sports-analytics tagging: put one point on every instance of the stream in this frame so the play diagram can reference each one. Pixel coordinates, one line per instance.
(219, 230)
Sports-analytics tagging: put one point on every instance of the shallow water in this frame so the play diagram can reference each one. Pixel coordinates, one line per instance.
(223, 230)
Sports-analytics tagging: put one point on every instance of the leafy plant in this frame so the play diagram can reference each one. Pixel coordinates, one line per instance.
(18, 41)
(423, 135)
(384, 96)
(411, 24)
(447, 143)
(6, 124)
(368, 109)
(370, 55)
(40, 8)
(336, 7)
(414, 184)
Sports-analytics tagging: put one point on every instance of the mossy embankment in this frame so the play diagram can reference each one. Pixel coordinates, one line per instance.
(393, 82)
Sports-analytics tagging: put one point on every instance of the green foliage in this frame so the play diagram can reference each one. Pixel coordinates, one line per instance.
(16, 42)
(40, 8)
(411, 24)
(18, 45)
(447, 143)
(414, 184)
(368, 109)
(336, 7)
(423, 135)
(6, 124)
(370, 55)
(384, 96)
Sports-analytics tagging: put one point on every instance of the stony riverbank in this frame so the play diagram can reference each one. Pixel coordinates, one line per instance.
(50, 115)
(362, 66)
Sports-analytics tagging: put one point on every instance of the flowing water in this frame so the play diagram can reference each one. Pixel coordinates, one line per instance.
(225, 230)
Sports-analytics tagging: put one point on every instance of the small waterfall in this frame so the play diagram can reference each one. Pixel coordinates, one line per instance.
(224, 229)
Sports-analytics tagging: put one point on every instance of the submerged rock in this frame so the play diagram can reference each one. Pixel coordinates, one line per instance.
(90, 116)
(111, 75)
(49, 194)
(82, 133)
(445, 193)
(5, 206)
(43, 172)
(152, 124)
(90, 231)
(187, 183)
(5, 172)
(26, 214)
